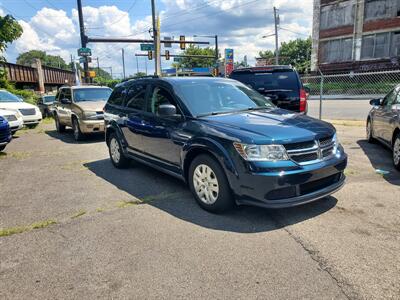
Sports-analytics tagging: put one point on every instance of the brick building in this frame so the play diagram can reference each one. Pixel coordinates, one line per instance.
(356, 35)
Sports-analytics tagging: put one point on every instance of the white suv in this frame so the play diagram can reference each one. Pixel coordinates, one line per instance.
(14, 119)
(31, 114)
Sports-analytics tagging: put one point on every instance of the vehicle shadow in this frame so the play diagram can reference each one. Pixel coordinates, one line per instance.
(68, 137)
(381, 158)
(173, 197)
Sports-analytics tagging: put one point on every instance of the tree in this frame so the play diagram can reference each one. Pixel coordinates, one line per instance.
(296, 53)
(10, 30)
(28, 58)
(189, 62)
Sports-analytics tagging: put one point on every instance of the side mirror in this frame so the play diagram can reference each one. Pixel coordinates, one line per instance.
(167, 110)
(375, 102)
(65, 101)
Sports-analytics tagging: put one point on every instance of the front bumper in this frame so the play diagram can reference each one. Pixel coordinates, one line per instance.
(292, 187)
(32, 120)
(91, 126)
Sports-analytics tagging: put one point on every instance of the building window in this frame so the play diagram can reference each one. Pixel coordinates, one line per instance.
(339, 50)
(337, 15)
(380, 45)
(381, 9)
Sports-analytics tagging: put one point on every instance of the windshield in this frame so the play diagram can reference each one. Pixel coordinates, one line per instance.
(204, 97)
(8, 97)
(269, 80)
(96, 94)
(48, 99)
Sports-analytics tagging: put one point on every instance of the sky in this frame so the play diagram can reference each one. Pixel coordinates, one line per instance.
(52, 26)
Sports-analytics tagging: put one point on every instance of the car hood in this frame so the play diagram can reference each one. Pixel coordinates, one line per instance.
(91, 105)
(5, 112)
(269, 126)
(15, 105)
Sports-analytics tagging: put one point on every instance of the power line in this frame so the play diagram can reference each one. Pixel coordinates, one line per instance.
(295, 32)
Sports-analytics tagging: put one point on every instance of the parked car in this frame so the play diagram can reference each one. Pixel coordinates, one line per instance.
(81, 107)
(14, 119)
(30, 113)
(45, 105)
(281, 84)
(383, 123)
(227, 141)
(5, 133)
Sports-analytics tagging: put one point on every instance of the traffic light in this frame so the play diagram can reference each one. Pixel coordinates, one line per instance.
(150, 55)
(182, 39)
(167, 54)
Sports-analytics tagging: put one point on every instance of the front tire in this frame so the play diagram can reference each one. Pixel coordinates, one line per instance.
(60, 128)
(369, 129)
(78, 135)
(396, 152)
(117, 156)
(209, 185)
(2, 148)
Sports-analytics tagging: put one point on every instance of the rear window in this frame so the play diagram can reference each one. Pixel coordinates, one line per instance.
(269, 80)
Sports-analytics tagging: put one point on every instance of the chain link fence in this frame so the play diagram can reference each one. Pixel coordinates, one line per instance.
(351, 85)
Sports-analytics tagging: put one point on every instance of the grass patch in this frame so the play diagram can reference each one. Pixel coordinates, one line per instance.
(21, 229)
(124, 204)
(48, 120)
(79, 214)
(349, 172)
(75, 166)
(99, 210)
(16, 155)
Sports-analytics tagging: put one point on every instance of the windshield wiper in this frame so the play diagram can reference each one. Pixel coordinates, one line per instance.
(214, 113)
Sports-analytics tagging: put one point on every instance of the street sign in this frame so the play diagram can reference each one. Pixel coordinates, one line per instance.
(167, 45)
(147, 47)
(92, 74)
(82, 60)
(177, 59)
(84, 52)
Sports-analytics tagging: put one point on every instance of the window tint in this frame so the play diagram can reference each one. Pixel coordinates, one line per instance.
(67, 94)
(136, 97)
(117, 97)
(269, 80)
(159, 96)
(390, 98)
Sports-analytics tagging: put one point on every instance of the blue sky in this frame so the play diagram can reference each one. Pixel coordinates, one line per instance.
(51, 25)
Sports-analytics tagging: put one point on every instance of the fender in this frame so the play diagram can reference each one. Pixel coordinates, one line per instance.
(216, 149)
(113, 125)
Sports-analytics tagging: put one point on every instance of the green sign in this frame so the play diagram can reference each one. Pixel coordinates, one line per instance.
(84, 52)
(147, 47)
(177, 59)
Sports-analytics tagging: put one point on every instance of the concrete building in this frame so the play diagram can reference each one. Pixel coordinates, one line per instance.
(356, 35)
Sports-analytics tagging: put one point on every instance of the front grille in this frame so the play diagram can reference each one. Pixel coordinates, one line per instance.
(311, 151)
(11, 118)
(27, 111)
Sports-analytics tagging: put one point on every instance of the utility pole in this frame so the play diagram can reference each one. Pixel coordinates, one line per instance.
(83, 39)
(98, 66)
(72, 64)
(145, 65)
(123, 62)
(216, 56)
(156, 39)
(276, 18)
(137, 65)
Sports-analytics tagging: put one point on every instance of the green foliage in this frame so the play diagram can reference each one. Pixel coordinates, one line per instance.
(106, 82)
(189, 62)
(55, 61)
(10, 30)
(296, 53)
(101, 73)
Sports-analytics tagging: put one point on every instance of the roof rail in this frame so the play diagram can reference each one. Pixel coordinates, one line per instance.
(140, 77)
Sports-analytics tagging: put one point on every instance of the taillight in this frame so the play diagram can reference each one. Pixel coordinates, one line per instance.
(303, 100)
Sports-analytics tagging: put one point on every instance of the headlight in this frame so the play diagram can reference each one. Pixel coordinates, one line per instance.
(89, 115)
(261, 152)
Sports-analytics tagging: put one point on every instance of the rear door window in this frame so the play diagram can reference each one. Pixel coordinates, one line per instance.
(136, 97)
(269, 80)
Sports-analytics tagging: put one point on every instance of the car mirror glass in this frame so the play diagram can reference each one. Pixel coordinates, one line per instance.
(65, 101)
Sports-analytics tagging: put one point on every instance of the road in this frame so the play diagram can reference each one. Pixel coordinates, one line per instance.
(340, 109)
(138, 234)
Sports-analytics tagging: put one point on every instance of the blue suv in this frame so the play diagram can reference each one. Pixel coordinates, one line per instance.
(229, 143)
(5, 133)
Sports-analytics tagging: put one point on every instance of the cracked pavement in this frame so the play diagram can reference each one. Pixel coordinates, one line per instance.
(142, 235)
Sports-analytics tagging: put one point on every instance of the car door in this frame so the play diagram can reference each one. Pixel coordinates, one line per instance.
(61, 110)
(380, 115)
(134, 109)
(163, 137)
(384, 117)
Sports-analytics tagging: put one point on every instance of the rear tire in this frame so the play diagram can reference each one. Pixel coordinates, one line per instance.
(2, 148)
(369, 129)
(209, 185)
(117, 156)
(60, 128)
(78, 135)
(396, 152)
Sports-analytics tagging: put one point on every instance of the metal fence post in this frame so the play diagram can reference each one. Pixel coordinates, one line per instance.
(321, 91)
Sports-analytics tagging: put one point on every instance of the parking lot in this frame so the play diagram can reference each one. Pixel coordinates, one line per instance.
(74, 226)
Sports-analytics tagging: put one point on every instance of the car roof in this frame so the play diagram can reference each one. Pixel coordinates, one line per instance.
(264, 68)
(75, 87)
(174, 80)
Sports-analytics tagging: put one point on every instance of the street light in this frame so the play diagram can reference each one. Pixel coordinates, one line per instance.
(216, 48)
(268, 35)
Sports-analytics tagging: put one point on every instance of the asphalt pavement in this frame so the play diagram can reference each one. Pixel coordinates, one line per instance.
(138, 234)
(340, 109)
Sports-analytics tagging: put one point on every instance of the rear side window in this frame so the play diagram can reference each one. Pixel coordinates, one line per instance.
(136, 97)
(269, 80)
(117, 96)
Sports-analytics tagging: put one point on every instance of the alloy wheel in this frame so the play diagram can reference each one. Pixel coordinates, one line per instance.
(206, 184)
(115, 150)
